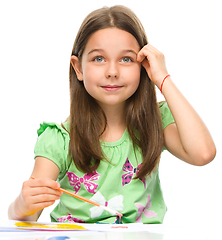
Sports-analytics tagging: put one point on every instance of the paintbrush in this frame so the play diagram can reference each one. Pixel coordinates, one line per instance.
(114, 212)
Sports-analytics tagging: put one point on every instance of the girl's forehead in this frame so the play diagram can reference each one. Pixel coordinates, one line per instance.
(112, 38)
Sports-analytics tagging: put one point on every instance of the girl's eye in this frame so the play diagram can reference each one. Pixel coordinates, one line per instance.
(126, 59)
(99, 59)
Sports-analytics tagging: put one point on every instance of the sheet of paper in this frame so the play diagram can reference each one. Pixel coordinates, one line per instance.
(100, 231)
(12, 226)
(37, 231)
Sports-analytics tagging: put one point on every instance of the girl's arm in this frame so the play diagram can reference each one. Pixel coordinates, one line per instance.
(36, 194)
(189, 138)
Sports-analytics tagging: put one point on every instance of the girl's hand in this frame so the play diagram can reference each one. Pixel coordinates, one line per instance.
(37, 194)
(154, 63)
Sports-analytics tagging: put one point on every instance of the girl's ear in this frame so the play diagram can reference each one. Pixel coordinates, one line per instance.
(77, 67)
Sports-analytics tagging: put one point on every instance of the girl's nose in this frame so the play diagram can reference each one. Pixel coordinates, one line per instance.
(112, 71)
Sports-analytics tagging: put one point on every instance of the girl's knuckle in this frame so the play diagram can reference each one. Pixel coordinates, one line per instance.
(161, 55)
(42, 181)
(25, 193)
(25, 184)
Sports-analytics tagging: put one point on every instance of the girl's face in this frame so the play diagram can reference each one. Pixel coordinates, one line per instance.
(109, 69)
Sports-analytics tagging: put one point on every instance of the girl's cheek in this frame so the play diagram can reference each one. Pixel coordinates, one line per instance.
(133, 73)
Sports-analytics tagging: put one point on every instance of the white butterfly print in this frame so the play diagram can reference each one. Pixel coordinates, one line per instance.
(115, 203)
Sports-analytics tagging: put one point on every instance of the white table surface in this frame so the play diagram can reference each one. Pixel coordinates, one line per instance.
(152, 232)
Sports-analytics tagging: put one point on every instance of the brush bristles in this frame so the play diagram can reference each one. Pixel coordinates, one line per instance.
(113, 212)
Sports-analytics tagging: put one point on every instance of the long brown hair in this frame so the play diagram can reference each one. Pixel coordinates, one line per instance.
(87, 118)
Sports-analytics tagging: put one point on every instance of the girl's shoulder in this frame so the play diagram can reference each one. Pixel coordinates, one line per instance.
(59, 128)
(166, 115)
(53, 143)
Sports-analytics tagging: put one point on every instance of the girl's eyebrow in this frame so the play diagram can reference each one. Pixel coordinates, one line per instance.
(95, 50)
(101, 50)
(129, 51)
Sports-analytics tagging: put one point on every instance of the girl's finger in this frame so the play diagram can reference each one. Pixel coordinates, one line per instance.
(148, 52)
(141, 56)
(144, 53)
(39, 206)
(42, 205)
(41, 198)
(44, 182)
(44, 190)
(145, 64)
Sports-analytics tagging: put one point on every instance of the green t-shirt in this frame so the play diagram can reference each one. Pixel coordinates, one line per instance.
(111, 185)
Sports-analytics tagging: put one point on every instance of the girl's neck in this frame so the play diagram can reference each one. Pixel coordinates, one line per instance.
(116, 124)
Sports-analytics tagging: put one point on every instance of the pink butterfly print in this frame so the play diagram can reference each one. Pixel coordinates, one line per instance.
(127, 177)
(86, 180)
(142, 209)
(70, 219)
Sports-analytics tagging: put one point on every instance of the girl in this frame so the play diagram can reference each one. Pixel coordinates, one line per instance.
(109, 148)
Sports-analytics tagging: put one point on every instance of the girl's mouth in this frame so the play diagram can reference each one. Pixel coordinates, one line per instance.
(111, 88)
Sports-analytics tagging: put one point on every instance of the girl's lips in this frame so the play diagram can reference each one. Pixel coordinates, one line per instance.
(111, 88)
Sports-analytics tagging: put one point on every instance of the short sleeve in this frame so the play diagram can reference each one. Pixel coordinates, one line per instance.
(167, 117)
(53, 143)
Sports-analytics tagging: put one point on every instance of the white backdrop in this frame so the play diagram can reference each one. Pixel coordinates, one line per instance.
(35, 46)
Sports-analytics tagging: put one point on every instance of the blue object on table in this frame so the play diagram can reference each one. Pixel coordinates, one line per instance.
(58, 238)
